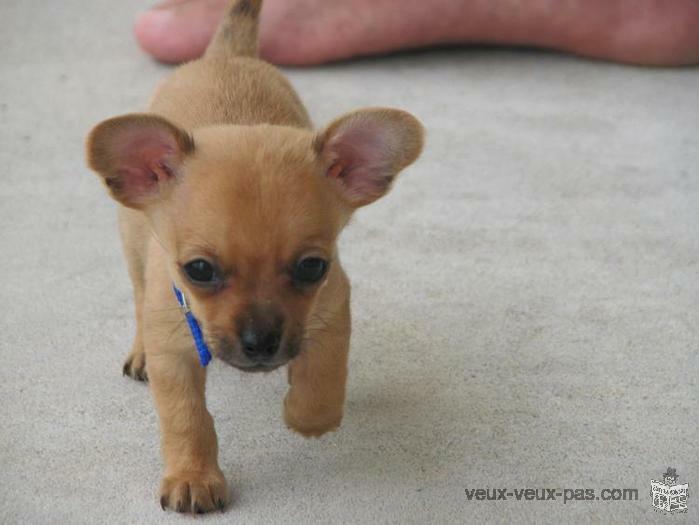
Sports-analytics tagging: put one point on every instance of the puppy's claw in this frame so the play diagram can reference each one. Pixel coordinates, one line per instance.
(163, 503)
(195, 493)
(135, 366)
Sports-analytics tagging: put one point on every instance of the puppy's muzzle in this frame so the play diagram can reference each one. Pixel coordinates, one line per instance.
(260, 345)
(260, 342)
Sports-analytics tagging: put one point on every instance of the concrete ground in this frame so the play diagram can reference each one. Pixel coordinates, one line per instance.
(525, 301)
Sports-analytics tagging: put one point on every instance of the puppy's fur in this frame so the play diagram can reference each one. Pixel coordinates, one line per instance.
(225, 169)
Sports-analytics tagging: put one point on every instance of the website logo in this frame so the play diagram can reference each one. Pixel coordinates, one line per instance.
(668, 495)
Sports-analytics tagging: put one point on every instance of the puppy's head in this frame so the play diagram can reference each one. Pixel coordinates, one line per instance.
(248, 216)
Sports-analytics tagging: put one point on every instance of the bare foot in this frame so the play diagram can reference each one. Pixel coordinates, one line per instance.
(305, 32)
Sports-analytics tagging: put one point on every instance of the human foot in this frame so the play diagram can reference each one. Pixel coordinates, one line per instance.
(305, 32)
(179, 30)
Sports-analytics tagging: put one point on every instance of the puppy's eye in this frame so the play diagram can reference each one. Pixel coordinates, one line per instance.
(200, 271)
(310, 270)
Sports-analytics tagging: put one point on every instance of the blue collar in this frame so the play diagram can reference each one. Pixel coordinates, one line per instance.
(202, 349)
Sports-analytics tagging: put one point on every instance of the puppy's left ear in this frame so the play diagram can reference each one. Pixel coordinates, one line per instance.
(138, 156)
(363, 151)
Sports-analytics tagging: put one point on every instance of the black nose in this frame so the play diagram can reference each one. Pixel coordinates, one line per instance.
(260, 345)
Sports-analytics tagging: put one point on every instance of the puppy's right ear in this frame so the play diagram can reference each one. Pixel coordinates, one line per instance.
(363, 151)
(138, 156)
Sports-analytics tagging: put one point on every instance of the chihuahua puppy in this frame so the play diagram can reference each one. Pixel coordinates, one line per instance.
(228, 195)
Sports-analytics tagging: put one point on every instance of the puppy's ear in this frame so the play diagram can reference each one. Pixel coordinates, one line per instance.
(363, 151)
(138, 156)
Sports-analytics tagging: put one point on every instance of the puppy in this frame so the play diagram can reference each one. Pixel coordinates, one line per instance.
(230, 197)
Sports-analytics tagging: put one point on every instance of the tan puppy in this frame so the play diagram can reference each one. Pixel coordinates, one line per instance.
(228, 194)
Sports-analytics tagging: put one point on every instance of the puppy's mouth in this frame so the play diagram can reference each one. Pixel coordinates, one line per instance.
(230, 353)
(260, 367)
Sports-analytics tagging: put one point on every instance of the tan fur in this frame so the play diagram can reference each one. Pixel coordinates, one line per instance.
(250, 185)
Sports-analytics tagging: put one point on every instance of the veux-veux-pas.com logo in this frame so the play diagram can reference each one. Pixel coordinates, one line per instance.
(668, 495)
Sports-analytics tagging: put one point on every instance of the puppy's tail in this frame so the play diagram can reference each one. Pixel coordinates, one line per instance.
(237, 33)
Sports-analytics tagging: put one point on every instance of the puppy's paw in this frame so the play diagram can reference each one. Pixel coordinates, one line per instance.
(135, 366)
(310, 421)
(195, 492)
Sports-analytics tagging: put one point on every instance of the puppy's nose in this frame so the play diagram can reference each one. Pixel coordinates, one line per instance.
(260, 345)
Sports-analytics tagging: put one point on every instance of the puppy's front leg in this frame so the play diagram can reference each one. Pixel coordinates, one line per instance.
(317, 376)
(193, 480)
